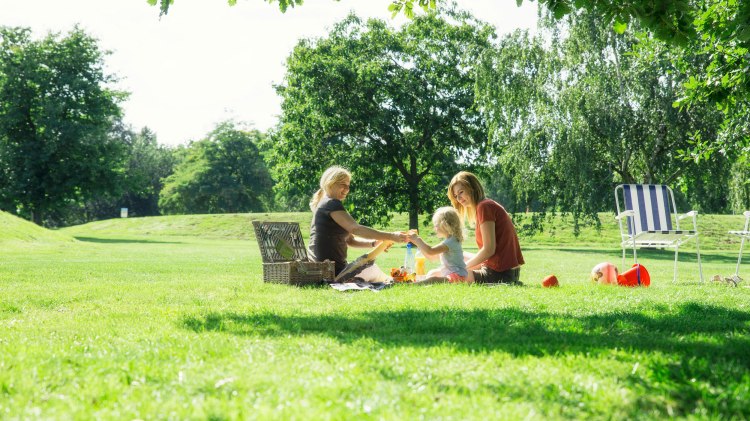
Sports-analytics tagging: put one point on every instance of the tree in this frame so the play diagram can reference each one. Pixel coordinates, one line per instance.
(719, 29)
(571, 120)
(138, 186)
(395, 106)
(722, 77)
(220, 174)
(149, 163)
(56, 117)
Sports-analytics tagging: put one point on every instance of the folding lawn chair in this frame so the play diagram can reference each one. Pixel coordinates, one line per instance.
(646, 210)
(745, 234)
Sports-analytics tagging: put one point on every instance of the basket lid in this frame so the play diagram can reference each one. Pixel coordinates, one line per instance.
(280, 241)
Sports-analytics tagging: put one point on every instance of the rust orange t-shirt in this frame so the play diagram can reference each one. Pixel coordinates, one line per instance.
(507, 249)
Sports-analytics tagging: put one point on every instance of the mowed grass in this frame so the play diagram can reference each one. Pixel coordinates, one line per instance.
(168, 318)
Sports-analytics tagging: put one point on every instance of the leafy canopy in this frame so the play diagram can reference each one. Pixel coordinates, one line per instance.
(223, 173)
(578, 109)
(395, 106)
(56, 121)
(717, 29)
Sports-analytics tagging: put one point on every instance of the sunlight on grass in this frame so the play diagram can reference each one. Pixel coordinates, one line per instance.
(169, 318)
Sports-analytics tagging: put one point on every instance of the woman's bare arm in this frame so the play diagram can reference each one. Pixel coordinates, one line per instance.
(488, 247)
(350, 225)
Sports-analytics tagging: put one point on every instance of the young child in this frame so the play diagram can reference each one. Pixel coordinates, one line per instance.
(447, 224)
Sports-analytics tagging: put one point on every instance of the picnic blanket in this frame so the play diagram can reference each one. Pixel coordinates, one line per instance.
(360, 286)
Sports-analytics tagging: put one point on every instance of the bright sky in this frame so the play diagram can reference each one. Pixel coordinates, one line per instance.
(205, 61)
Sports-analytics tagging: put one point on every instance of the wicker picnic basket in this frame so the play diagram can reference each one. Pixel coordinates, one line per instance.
(285, 258)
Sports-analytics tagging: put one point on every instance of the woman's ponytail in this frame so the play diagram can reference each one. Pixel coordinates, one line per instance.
(316, 199)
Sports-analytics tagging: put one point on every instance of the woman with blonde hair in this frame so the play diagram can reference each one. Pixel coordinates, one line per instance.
(333, 229)
(499, 257)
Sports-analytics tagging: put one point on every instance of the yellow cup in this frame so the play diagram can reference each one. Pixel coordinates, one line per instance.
(419, 265)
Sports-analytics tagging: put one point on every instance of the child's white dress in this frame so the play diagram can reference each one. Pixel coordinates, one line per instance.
(453, 259)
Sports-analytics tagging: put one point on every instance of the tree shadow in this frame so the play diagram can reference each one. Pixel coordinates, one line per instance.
(699, 341)
(122, 241)
(512, 330)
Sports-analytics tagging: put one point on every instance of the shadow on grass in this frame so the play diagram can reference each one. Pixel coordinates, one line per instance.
(123, 241)
(693, 329)
(701, 367)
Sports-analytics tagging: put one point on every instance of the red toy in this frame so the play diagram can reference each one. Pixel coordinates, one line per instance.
(604, 273)
(634, 277)
(550, 282)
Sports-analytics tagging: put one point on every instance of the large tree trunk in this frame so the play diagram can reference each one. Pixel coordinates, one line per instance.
(413, 182)
(36, 217)
(413, 206)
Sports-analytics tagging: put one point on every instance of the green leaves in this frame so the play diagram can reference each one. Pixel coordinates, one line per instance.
(592, 109)
(222, 173)
(395, 106)
(620, 27)
(559, 8)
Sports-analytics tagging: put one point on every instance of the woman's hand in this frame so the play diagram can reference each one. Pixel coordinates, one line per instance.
(399, 237)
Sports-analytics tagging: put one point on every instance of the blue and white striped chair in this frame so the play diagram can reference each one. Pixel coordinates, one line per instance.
(745, 234)
(647, 210)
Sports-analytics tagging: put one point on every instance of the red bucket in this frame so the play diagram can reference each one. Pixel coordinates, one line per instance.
(636, 276)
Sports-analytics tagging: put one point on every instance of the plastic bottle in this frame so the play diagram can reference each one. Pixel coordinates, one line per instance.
(409, 259)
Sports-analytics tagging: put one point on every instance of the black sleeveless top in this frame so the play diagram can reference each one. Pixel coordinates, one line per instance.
(327, 238)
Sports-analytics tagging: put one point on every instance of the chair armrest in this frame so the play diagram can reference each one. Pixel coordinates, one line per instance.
(624, 214)
(694, 215)
(689, 214)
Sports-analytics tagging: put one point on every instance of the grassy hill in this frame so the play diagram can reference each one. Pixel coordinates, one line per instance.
(15, 229)
(230, 226)
(558, 230)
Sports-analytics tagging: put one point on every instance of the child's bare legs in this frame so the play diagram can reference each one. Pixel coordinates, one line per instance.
(434, 276)
(435, 273)
(373, 274)
(432, 280)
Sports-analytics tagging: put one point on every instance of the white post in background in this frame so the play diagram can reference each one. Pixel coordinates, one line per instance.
(123, 212)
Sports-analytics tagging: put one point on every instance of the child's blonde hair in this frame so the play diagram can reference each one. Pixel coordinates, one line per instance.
(448, 221)
(331, 176)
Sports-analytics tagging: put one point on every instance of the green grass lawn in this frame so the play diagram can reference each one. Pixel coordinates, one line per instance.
(168, 318)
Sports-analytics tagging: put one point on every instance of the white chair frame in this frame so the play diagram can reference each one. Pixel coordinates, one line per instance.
(632, 234)
(745, 234)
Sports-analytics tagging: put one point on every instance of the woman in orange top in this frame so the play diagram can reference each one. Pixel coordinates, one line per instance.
(499, 257)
